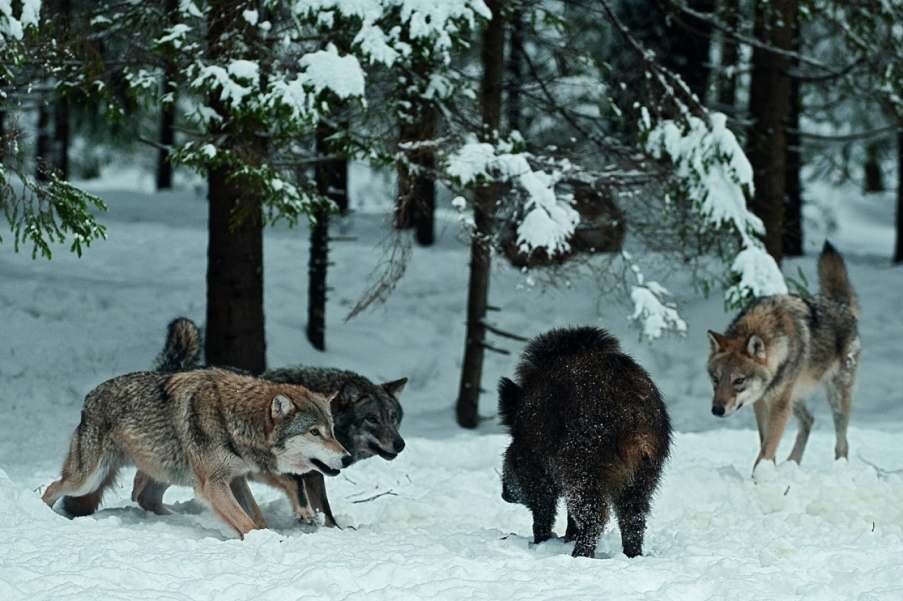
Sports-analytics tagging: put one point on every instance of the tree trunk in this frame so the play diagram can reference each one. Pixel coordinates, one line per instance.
(515, 70)
(332, 182)
(691, 61)
(235, 320)
(730, 57)
(425, 185)
(792, 241)
(898, 251)
(61, 109)
(168, 110)
(769, 107)
(874, 181)
(485, 200)
(416, 202)
(43, 163)
(316, 289)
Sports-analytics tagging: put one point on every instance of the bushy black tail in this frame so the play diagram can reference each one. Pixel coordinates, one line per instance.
(833, 279)
(182, 350)
(510, 395)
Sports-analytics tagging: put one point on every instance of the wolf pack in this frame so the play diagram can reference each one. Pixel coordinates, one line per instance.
(587, 423)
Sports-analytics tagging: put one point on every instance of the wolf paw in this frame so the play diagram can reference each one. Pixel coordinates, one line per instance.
(306, 516)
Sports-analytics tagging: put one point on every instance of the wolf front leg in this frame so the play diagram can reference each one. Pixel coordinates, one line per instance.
(315, 486)
(219, 494)
(779, 412)
(244, 497)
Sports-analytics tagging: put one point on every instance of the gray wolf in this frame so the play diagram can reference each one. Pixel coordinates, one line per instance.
(367, 417)
(780, 349)
(586, 423)
(207, 429)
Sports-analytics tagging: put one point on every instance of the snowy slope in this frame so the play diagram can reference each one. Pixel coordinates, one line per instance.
(444, 533)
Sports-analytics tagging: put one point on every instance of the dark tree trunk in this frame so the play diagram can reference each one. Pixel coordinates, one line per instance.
(61, 137)
(485, 199)
(61, 109)
(515, 70)
(769, 107)
(235, 321)
(43, 162)
(730, 56)
(691, 61)
(898, 251)
(416, 202)
(332, 182)
(316, 287)
(425, 185)
(168, 110)
(874, 180)
(793, 211)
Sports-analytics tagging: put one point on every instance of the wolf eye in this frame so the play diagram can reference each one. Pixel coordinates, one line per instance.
(370, 420)
(315, 432)
(739, 382)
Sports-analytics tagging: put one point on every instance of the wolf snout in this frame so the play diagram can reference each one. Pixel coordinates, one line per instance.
(718, 410)
(347, 459)
(398, 445)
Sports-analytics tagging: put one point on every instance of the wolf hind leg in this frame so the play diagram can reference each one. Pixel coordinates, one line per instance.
(148, 493)
(840, 397)
(805, 419)
(87, 470)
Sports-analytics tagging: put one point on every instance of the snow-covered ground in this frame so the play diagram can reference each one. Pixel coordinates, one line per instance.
(822, 531)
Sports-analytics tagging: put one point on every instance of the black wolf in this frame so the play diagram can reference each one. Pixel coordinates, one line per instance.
(587, 423)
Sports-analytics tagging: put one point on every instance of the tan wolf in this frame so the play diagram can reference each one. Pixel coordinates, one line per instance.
(207, 428)
(777, 351)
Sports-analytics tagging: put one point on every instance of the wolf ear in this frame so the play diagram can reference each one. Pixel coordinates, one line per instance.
(716, 341)
(281, 406)
(755, 347)
(395, 387)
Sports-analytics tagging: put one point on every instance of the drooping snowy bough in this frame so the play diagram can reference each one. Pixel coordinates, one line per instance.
(712, 170)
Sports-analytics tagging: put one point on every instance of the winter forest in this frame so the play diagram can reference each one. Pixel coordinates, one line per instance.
(409, 299)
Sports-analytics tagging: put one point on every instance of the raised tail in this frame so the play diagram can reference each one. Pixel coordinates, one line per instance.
(833, 279)
(182, 350)
(510, 395)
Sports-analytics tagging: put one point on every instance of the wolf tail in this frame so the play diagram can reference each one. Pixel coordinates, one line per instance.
(833, 279)
(510, 395)
(182, 350)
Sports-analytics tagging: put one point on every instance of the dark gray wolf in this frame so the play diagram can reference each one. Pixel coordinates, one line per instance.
(208, 429)
(367, 417)
(587, 423)
(778, 350)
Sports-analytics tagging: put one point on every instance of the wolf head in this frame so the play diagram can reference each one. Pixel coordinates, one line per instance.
(368, 417)
(303, 437)
(739, 368)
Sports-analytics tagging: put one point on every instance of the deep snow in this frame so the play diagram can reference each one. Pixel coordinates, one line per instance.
(822, 531)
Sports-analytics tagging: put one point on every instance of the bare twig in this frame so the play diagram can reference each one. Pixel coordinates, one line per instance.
(503, 333)
(374, 497)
